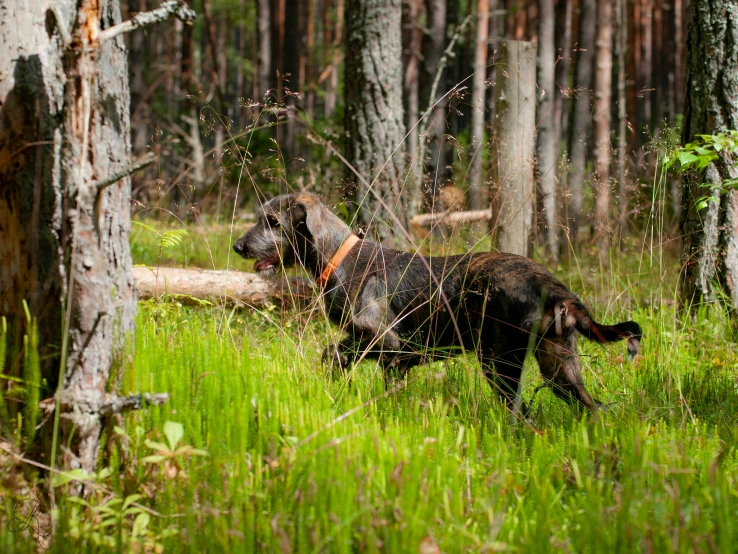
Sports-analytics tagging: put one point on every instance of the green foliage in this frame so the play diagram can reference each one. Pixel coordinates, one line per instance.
(167, 239)
(3, 353)
(697, 155)
(31, 376)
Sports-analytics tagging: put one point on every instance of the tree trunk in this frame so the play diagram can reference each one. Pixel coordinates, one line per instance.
(514, 145)
(336, 45)
(474, 180)
(434, 44)
(711, 106)
(563, 63)
(547, 138)
(412, 38)
(621, 20)
(581, 115)
(64, 132)
(264, 71)
(646, 61)
(374, 120)
(603, 98)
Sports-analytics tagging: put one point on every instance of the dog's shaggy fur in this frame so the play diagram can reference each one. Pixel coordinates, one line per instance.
(405, 309)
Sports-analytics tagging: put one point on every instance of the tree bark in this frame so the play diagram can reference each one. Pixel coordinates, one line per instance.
(603, 99)
(621, 20)
(646, 62)
(474, 180)
(562, 37)
(547, 138)
(581, 115)
(514, 145)
(434, 44)
(264, 67)
(374, 120)
(412, 39)
(711, 106)
(65, 239)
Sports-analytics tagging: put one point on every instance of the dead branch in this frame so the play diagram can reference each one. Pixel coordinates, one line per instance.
(138, 163)
(111, 404)
(424, 220)
(176, 8)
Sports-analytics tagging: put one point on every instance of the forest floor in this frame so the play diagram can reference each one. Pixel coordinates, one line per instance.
(298, 461)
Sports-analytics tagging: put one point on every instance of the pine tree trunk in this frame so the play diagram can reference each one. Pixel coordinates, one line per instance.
(434, 43)
(474, 180)
(547, 138)
(563, 63)
(711, 106)
(412, 39)
(602, 149)
(581, 115)
(621, 20)
(264, 68)
(65, 125)
(374, 121)
(514, 146)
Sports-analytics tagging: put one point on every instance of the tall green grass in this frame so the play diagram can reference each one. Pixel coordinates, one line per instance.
(299, 462)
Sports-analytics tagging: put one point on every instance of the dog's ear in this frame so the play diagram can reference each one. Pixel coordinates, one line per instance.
(311, 212)
(298, 214)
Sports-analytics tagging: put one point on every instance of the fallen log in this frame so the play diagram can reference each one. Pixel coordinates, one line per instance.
(233, 288)
(449, 218)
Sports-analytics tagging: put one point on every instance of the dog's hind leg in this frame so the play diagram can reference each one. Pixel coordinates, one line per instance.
(558, 360)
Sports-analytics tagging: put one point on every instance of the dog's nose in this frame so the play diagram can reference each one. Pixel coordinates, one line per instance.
(239, 248)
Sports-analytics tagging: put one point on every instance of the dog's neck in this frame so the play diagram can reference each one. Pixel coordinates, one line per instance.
(321, 245)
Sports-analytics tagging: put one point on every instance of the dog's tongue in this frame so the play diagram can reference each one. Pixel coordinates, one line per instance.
(265, 263)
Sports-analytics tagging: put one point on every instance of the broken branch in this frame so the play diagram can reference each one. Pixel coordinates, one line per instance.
(138, 163)
(176, 8)
(452, 217)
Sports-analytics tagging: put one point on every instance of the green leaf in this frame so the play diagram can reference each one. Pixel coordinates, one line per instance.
(172, 238)
(686, 158)
(130, 499)
(147, 227)
(72, 475)
(140, 524)
(174, 432)
(160, 446)
(153, 459)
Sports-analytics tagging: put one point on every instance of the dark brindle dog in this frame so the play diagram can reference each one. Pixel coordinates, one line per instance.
(405, 309)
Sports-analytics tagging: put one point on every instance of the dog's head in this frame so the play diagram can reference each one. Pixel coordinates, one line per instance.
(290, 228)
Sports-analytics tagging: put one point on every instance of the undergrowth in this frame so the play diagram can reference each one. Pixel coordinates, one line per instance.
(300, 462)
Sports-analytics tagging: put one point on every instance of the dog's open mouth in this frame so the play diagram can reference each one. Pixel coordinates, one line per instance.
(267, 266)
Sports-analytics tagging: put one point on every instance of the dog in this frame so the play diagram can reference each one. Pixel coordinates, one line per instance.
(405, 309)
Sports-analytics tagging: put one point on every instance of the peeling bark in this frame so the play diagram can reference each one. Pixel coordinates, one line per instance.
(711, 106)
(66, 106)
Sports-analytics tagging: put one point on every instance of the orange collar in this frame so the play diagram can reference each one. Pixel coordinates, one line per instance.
(337, 258)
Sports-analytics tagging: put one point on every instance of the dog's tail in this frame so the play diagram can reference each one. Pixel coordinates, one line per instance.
(572, 313)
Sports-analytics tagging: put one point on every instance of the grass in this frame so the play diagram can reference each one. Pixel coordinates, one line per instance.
(300, 462)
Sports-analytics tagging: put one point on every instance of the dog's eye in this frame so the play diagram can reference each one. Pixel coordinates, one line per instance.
(272, 221)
